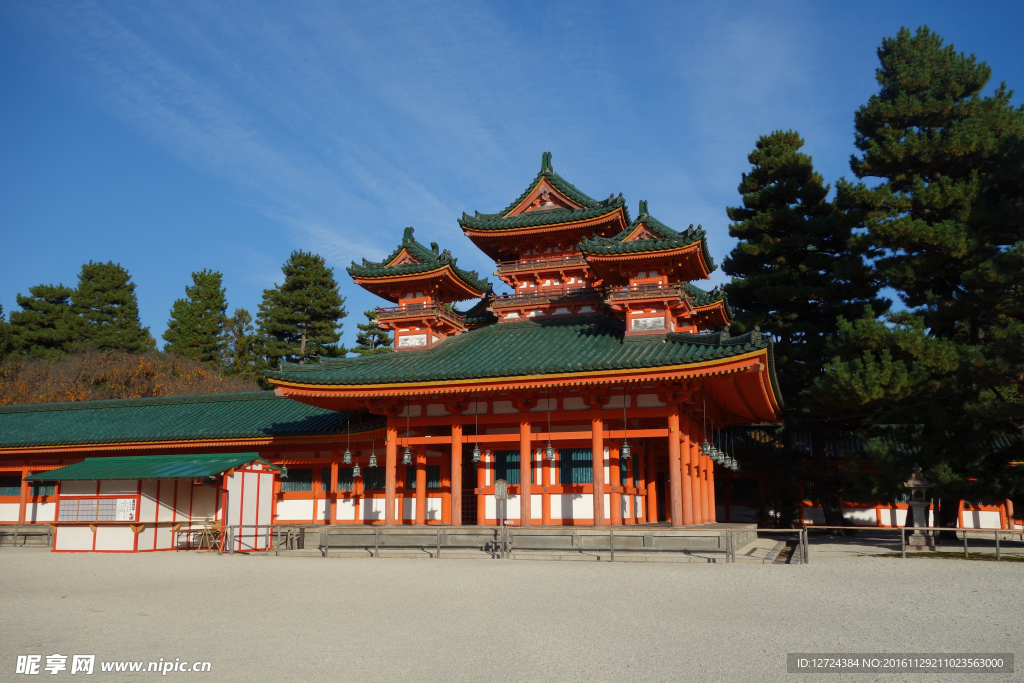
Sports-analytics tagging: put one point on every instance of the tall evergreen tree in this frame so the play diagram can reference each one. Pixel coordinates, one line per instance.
(45, 325)
(243, 355)
(6, 341)
(107, 311)
(196, 327)
(797, 266)
(372, 338)
(946, 223)
(301, 318)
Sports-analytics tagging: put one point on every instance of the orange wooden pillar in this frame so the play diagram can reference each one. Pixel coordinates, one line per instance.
(421, 485)
(597, 463)
(704, 496)
(446, 493)
(712, 510)
(455, 511)
(23, 500)
(390, 472)
(545, 482)
(674, 468)
(525, 474)
(686, 482)
(651, 481)
(481, 499)
(332, 488)
(615, 480)
(698, 514)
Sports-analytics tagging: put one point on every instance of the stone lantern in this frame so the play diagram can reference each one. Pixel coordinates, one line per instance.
(918, 511)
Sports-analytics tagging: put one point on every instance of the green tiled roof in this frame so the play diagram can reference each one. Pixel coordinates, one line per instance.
(592, 208)
(525, 348)
(702, 298)
(246, 415)
(150, 467)
(667, 239)
(430, 259)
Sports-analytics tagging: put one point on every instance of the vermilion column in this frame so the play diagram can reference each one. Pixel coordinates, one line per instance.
(684, 468)
(704, 497)
(332, 491)
(597, 462)
(390, 472)
(713, 517)
(456, 506)
(545, 482)
(481, 499)
(23, 501)
(674, 468)
(698, 516)
(615, 499)
(421, 486)
(525, 474)
(652, 487)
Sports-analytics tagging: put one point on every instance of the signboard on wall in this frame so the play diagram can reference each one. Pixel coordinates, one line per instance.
(125, 510)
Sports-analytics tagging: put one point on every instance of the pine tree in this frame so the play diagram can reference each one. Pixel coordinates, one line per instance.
(44, 326)
(797, 266)
(372, 338)
(6, 341)
(243, 355)
(106, 309)
(946, 225)
(301, 318)
(196, 327)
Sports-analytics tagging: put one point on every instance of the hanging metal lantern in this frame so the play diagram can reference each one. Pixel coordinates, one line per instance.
(346, 457)
(476, 455)
(407, 456)
(706, 447)
(549, 452)
(625, 451)
(356, 473)
(373, 460)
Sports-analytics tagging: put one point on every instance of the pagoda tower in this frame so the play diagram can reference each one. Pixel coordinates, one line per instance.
(535, 243)
(424, 283)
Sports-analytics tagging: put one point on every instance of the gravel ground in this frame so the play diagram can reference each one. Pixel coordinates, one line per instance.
(311, 619)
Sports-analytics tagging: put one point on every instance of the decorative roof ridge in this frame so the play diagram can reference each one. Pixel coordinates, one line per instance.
(720, 338)
(429, 259)
(142, 402)
(547, 172)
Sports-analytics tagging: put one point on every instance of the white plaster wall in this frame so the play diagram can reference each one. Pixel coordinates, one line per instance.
(372, 508)
(615, 402)
(893, 518)
(812, 516)
(638, 506)
(266, 499)
(147, 503)
(408, 508)
(78, 488)
(504, 408)
(980, 519)
(570, 506)
(345, 509)
(434, 509)
(40, 512)
(536, 506)
(574, 403)
(607, 470)
(436, 410)
(115, 538)
(321, 510)
(204, 503)
(73, 538)
(165, 509)
(183, 498)
(9, 512)
(115, 486)
(860, 516)
(146, 538)
(624, 506)
(295, 510)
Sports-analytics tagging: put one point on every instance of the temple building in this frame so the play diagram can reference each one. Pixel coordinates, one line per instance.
(589, 389)
(603, 389)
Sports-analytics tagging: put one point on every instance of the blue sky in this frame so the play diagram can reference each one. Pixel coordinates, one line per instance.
(172, 137)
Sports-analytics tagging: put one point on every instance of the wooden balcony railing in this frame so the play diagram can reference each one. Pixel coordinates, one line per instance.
(420, 311)
(547, 262)
(552, 295)
(650, 291)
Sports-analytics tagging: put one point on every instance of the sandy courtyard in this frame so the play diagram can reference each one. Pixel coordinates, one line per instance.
(311, 619)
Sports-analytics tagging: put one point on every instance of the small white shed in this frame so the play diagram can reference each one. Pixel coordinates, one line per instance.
(161, 502)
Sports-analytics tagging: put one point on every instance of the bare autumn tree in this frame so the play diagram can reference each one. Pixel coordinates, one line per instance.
(88, 374)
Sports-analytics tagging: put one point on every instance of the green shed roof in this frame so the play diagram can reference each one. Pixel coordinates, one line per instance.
(430, 259)
(150, 467)
(511, 349)
(592, 208)
(257, 414)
